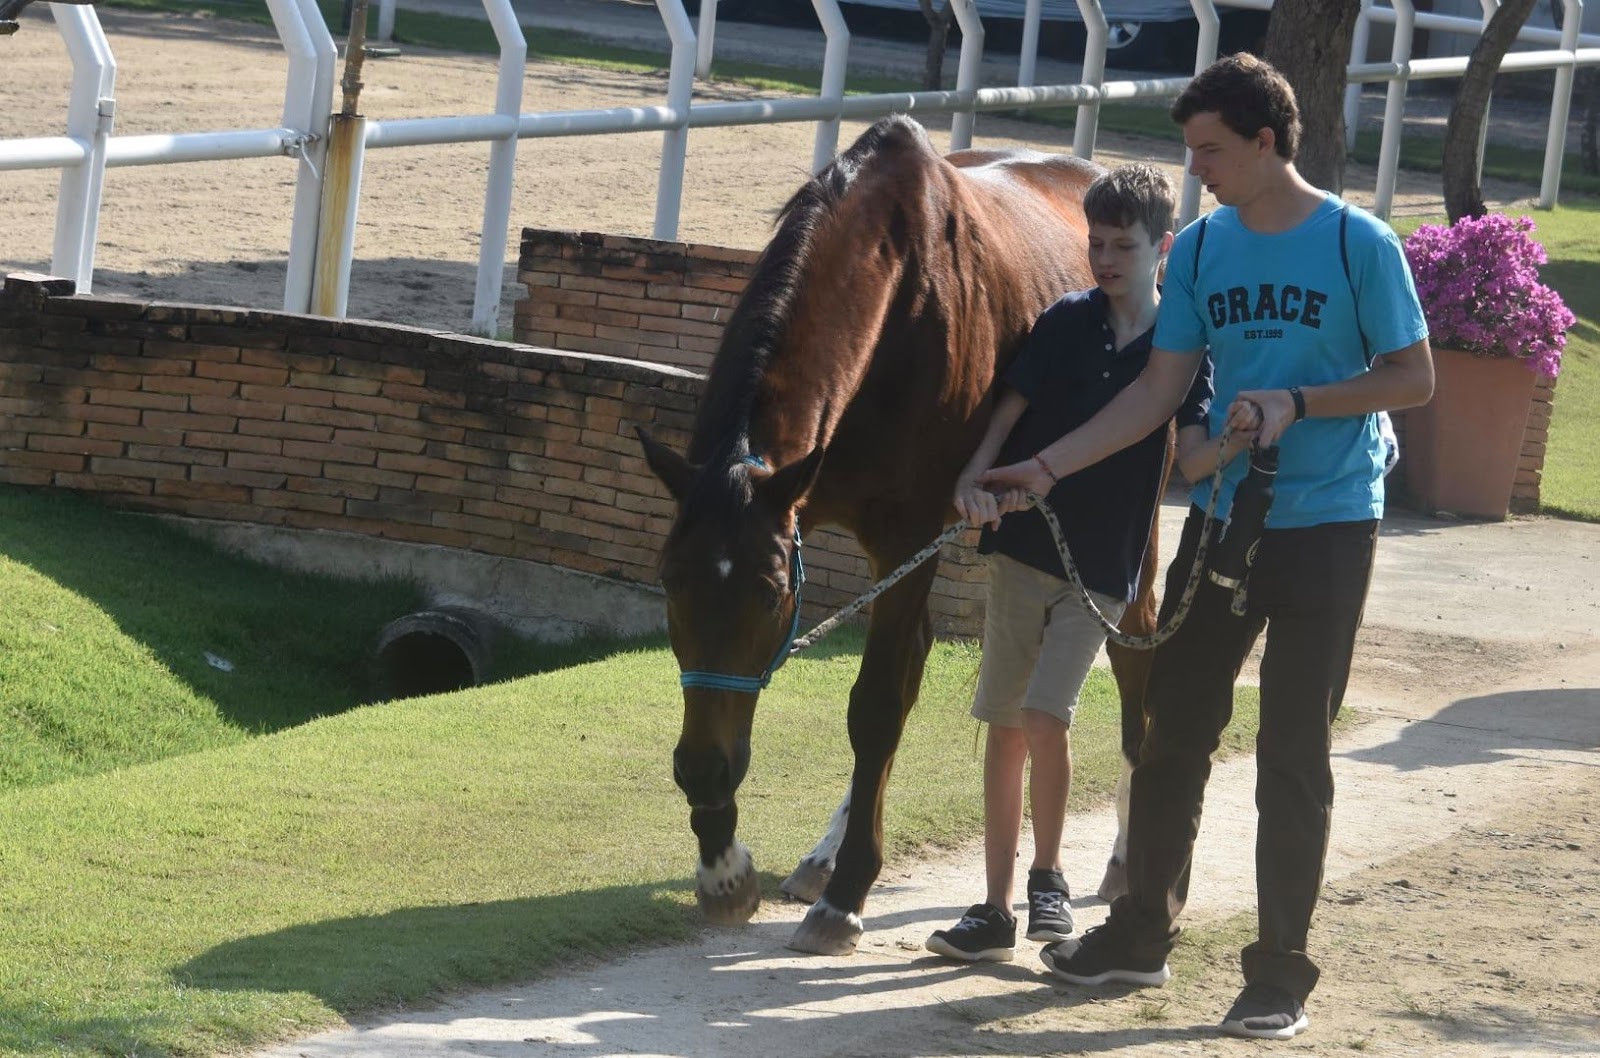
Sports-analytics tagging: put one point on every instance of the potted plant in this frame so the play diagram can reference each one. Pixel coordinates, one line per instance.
(1494, 329)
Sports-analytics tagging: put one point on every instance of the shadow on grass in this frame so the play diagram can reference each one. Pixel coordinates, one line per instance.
(656, 1003)
(299, 645)
(407, 956)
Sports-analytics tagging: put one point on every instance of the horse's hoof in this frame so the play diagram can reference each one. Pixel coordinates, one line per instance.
(729, 891)
(827, 931)
(1115, 882)
(810, 877)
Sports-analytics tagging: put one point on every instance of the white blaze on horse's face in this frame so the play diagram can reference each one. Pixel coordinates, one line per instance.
(724, 568)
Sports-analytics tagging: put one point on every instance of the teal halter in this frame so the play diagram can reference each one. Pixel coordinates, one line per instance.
(718, 681)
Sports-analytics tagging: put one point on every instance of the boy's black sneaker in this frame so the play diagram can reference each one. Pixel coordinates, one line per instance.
(1102, 955)
(1049, 906)
(984, 934)
(1265, 1012)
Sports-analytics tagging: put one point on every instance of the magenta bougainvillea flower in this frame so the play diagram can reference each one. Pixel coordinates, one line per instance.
(1478, 280)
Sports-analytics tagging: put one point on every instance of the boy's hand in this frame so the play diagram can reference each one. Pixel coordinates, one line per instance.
(1270, 411)
(1028, 476)
(977, 505)
(1013, 500)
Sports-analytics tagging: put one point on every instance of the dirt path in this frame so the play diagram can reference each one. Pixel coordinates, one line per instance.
(1461, 914)
(218, 232)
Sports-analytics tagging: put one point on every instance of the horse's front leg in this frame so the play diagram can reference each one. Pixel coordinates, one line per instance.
(898, 639)
(725, 878)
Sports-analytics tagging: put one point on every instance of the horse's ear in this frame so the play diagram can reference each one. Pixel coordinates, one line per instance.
(788, 485)
(674, 471)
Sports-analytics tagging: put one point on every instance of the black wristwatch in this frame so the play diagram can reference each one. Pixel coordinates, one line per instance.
(1299, 402)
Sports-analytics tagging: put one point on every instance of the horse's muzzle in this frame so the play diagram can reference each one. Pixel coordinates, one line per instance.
(707, 777)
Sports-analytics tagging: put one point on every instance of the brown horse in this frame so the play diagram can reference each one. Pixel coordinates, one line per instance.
(853, 382)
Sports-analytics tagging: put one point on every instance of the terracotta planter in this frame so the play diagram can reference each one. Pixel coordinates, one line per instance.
(1462, 448)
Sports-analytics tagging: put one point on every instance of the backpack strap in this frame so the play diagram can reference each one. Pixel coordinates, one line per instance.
(1200, 240)
(1344, 257)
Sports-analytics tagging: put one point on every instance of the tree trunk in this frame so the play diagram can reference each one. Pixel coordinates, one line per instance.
(1463, 133)
(1309, 40)
(938, 40)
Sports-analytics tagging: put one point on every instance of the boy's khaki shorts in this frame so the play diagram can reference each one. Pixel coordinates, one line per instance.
(1038, 644)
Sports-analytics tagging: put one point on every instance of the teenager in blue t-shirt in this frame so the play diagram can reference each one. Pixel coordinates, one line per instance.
(1313, 326)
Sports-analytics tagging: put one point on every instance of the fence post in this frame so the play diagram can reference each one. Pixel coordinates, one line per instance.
(502, 168)
(675, 141)
(89, 118)
(1555, 147)
(835, 60)
(707, 38)
(969, 72)
(1205, 53)
(1352, 93)
(307, 109)
(1094, 73)
(1394, 108)
(1028, 59)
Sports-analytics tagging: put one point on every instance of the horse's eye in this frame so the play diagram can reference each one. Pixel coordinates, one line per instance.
(772, 596)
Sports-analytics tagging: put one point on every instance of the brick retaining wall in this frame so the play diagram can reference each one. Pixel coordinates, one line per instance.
(386, 431)
(665, 302)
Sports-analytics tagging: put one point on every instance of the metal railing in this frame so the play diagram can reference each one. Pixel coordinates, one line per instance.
(88, 147)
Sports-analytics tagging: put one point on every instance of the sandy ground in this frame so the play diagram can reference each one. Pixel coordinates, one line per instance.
(218, 232)
(1463, 897)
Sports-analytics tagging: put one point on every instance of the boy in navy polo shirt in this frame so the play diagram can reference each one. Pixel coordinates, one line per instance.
(1038, 642)
(1313, 326)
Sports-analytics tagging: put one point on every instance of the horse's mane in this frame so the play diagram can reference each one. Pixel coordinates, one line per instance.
(721, 433)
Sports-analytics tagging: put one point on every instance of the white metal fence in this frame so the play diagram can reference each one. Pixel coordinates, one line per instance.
(320, 250)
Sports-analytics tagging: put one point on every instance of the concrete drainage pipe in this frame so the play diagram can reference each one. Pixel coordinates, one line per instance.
(434, 651)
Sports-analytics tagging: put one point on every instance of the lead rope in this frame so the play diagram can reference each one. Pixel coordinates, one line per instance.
(1113, 634)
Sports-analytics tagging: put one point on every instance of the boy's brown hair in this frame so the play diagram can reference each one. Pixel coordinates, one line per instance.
(1133, 193)
(1248, 94)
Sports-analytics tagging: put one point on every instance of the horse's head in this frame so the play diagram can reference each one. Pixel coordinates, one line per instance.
(730, 567)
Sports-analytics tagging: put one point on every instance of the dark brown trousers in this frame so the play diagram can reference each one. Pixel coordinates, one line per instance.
(1307, 591)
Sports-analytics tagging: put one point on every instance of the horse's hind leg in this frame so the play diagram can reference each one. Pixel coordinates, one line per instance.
(1131, 669)
(812, 873)
(898, 640)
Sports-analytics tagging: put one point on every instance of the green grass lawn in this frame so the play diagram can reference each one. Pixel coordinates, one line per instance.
(106, 628)
(197, 862)
(1571, 485)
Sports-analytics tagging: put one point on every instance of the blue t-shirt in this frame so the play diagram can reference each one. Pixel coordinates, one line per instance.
(1279, 310)
(1068, 370)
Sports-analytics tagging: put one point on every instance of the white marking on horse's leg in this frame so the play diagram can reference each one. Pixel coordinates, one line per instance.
(726, 871)
(1115, 882)
(728, 890)
(828, 847)
(1119, 851)
(811, 875)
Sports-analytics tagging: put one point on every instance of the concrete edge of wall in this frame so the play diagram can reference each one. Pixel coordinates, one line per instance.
(529, 598)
